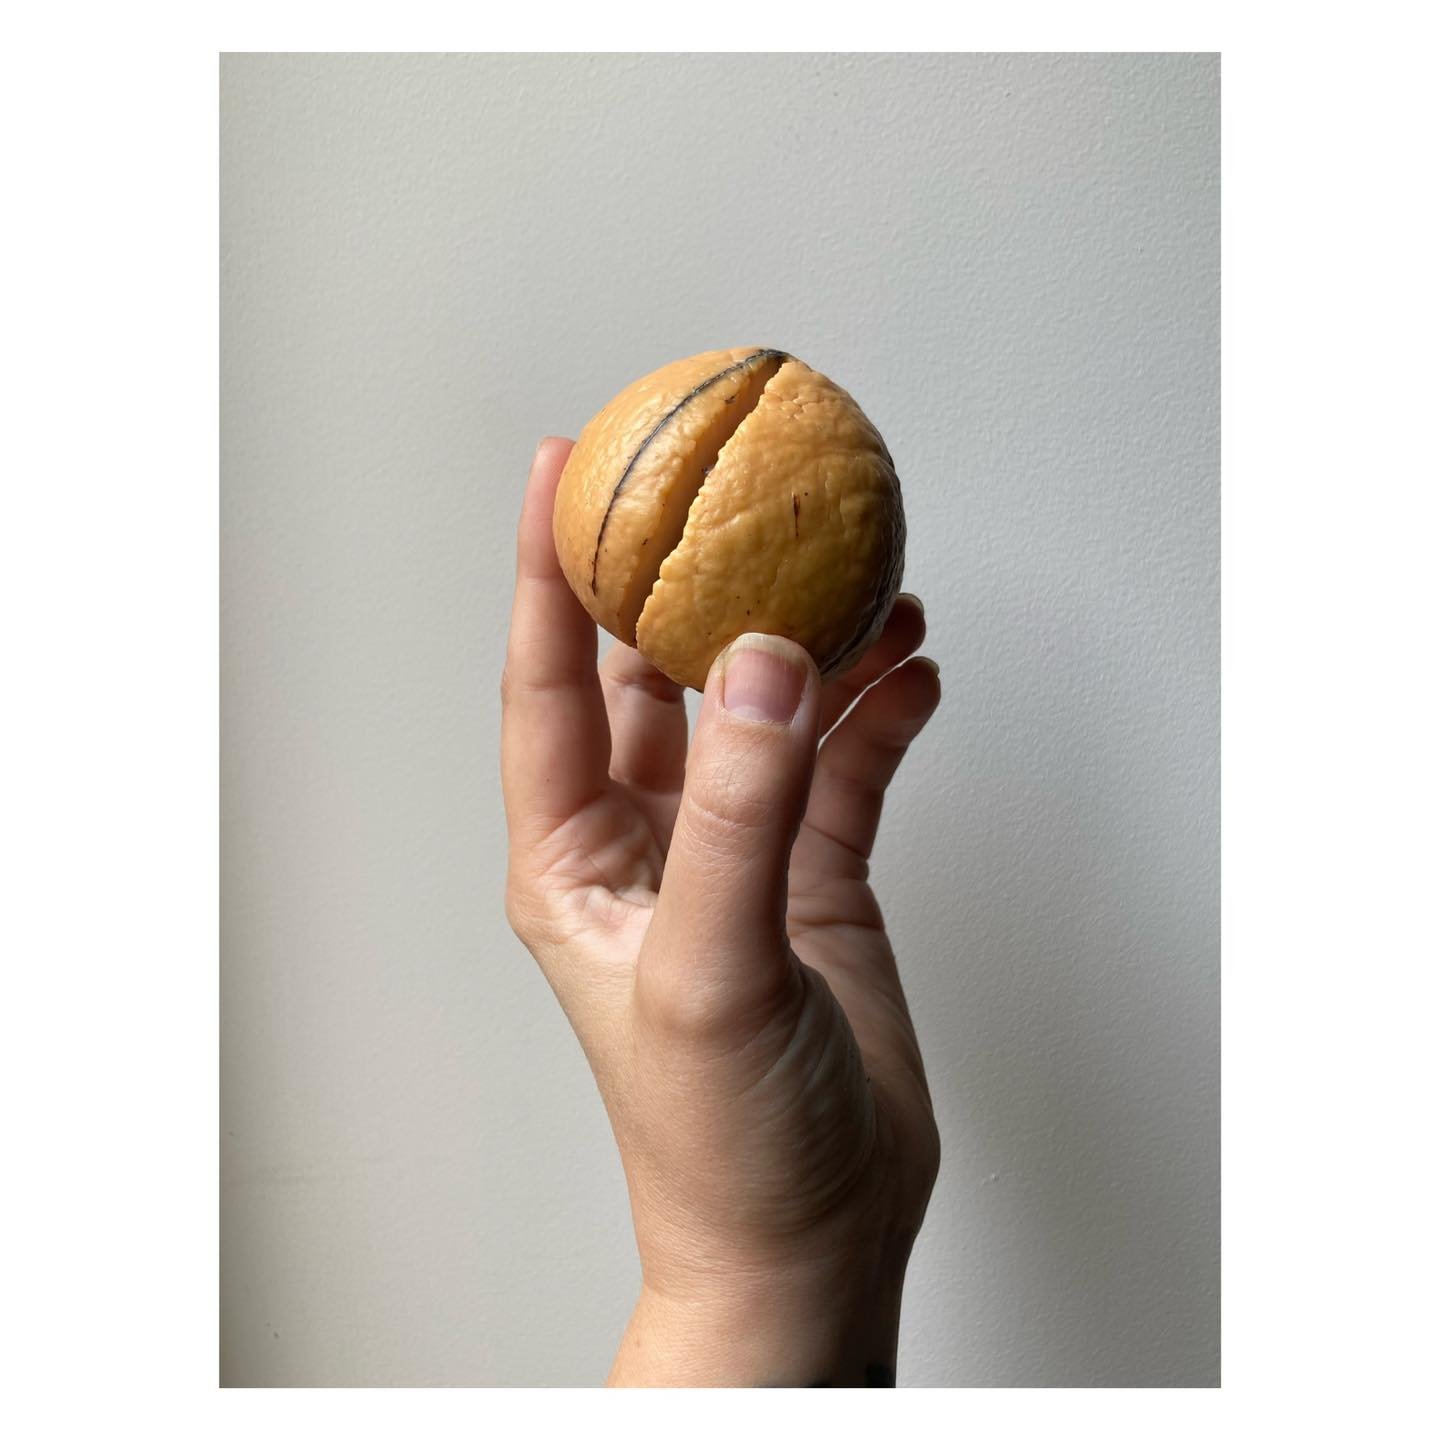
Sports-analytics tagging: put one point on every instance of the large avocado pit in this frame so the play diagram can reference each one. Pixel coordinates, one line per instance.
(657, 487)
(735, 490)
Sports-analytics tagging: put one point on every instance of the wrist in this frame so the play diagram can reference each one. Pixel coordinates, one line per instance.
(830, 1324)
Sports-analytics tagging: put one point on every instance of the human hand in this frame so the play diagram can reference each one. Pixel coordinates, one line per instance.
(708, 927)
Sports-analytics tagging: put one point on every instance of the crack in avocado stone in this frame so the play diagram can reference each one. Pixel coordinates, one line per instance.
(758, 357)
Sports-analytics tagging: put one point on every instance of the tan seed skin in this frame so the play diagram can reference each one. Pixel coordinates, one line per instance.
(797, 529)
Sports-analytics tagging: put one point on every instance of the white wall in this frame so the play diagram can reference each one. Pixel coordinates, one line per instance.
(428, 263)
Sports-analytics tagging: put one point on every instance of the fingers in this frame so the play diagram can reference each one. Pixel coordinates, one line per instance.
(647, 722)
(648, 730)
(555, 745)
(717, 940)
(858, 761)
(902, 636)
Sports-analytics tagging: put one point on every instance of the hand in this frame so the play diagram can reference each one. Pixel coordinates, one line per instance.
(708, 927)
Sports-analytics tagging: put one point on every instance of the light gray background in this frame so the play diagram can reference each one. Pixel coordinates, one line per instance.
(428, 263)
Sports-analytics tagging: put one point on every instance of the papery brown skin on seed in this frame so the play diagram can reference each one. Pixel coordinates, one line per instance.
(797, 528)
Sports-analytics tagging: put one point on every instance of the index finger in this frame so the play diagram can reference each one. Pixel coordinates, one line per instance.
(554, 738)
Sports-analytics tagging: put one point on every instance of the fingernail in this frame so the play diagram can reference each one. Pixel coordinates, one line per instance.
(763, 680)
(915, 600)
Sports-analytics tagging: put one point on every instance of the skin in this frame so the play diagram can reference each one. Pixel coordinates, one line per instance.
(702, 910)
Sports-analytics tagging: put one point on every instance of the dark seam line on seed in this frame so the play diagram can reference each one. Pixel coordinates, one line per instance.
(759, 355)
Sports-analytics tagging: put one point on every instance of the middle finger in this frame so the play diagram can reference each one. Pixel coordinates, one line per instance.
(902, 636)
(648, 730)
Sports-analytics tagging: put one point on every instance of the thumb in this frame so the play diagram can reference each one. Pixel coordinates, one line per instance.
(717, 937)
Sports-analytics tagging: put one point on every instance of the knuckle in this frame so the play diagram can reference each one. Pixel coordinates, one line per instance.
(847, 780)
(690, 1013)
(724, 811)
(531, 674)
(698, 1013)
(629, 675)
(887, 737)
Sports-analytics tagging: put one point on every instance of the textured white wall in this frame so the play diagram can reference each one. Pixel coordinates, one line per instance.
(427, 263)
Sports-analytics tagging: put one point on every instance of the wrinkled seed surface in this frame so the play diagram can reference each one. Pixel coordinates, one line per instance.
(735, 490)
